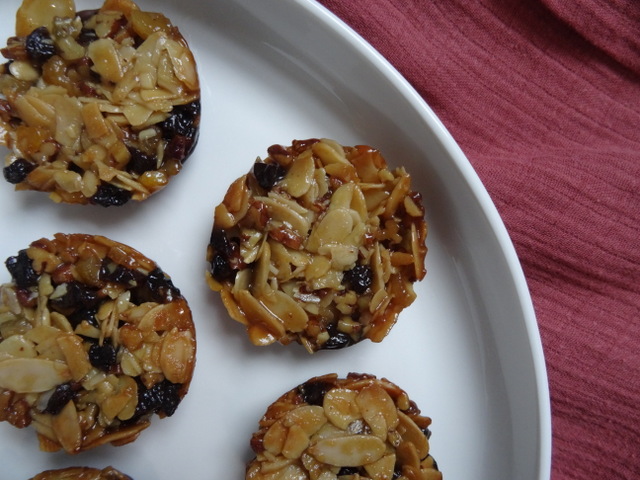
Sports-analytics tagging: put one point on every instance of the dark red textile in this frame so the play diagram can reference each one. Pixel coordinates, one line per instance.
(543, 96)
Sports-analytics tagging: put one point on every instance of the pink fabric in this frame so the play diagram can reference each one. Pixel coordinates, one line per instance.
(543, 96)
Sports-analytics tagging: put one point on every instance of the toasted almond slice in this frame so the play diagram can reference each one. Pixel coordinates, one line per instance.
(410, 432)
(18, 346)
(35, 13)
(349, 450)
(382, 469)
(178, 355)
(67, 428)
(340, 407)
(32, 375)
(75, 355)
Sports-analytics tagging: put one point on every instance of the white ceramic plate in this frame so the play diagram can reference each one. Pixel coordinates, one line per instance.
(467, 351)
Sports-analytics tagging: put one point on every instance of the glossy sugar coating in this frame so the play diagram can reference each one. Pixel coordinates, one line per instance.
(94, 339)
(319, 244)
(96, 106)
(330, 428)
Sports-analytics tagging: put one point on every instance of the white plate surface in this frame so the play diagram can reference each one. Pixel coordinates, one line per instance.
(467, 351)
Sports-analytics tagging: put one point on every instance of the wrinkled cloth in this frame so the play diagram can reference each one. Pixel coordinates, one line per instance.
(543, 97)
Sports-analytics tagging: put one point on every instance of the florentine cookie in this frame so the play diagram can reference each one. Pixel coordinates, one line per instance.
(319, 244)
(82, 473)
(94, 339)
(358, 427)
(96, 106)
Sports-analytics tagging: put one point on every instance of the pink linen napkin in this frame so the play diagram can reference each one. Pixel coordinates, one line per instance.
(543, 96)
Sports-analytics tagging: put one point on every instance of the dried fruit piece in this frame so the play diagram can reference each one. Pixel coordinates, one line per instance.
(82, 473)
(99, 106)
(345, 428)
(319, 244)
(95, 339)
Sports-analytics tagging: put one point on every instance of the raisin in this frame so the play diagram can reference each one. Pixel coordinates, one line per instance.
(348, 471)
(87, 36)
(313, 392)
(183, 121)
(62, 395)
(226, 256)
(268, 174)
(21, 270)
(141, 162)
(336, 341)
(39, 45)
(359, 278)
(221, 270)
(155, 287)
(112, 272)
(17, 171)
(163, 397)
(85, 15)
(77, 295)
(102, 356)
(84, 313)
(180, 147)
(109, 195)
(222, 244)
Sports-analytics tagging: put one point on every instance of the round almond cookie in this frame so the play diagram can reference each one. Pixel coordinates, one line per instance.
(358, 427)
(319, 244)
(96, 106)
(94, 339)
(82, 473)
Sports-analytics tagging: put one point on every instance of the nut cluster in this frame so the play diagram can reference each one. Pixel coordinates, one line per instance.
(97, 106)
(94, 339)
(329, 428)
(82, 473)
(319, 244)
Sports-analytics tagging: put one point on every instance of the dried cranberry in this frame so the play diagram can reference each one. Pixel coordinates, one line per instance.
(155, 287)
(141, 162)
(17, 171)
(359, 278)
(109, 195)
(313, 391)
(21, 270)
(62, 395)
(163, 397)
(39, 45)
(102, 356)
(268, 174)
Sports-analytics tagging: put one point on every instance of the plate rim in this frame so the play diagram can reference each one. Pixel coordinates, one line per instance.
(422, 108)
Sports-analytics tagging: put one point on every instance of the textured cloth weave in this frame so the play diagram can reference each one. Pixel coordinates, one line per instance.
(543, 96)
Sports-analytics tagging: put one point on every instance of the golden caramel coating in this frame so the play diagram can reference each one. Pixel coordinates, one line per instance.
(318, 244)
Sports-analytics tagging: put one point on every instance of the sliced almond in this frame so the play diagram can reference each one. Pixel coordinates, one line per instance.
(67, 428)
(32, 375)
(348, 451)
